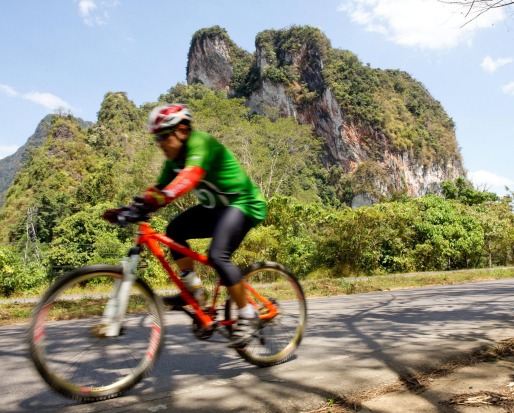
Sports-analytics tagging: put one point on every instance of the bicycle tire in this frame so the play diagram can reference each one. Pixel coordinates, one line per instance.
(278, 338)
(69, 353)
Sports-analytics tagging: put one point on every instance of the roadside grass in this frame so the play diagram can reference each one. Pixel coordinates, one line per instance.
(324, 287)
(17, 310)
(15, 313)
(91, 307)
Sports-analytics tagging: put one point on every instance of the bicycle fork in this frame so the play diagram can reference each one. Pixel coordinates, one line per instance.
(116, 308)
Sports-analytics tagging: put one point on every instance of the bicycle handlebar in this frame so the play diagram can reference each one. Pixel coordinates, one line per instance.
(131, 214)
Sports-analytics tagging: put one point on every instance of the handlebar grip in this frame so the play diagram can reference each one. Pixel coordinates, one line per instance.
(130, 214)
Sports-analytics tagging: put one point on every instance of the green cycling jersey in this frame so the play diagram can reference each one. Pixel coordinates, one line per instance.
(225, 182)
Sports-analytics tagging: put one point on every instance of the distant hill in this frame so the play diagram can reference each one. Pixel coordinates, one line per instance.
(11, 164)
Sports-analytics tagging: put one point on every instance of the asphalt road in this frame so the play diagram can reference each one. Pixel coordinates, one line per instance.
(352, 343)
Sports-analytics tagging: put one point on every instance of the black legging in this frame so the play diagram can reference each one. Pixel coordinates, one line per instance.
(227, 226)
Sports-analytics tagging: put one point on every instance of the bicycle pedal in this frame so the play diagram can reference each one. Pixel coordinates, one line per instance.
(202, 333)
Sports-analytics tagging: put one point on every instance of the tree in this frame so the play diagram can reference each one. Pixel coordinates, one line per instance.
(475, 8)
(462, 190)
(85, 238)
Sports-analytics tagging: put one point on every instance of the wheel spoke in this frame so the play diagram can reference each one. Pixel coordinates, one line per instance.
(68, 348)
(281, 334)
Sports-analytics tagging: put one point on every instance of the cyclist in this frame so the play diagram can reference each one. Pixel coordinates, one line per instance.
(230, 205)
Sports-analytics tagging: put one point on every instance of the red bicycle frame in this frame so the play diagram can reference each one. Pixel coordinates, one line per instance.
(148, 236)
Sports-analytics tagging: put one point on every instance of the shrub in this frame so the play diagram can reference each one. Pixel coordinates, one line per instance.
(15, 277)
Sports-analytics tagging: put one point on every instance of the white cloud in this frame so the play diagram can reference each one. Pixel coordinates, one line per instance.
(508, 89)
(86, 7)
(94, 12)
(6, 150)
(48, 100)
(8, 90)
(491, 182)
(491, 65)
(428, 24)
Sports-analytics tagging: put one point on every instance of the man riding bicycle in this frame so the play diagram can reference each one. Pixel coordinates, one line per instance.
(230, 205)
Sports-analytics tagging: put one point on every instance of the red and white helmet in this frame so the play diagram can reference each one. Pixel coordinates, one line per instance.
(166, 117)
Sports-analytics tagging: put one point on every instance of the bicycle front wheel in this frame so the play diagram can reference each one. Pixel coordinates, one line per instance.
(68, 347)
(279, 335)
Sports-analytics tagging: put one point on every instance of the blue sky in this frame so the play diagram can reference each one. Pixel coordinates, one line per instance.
(69, 53)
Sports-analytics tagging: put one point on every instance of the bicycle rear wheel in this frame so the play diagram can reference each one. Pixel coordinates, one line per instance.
(68, 348)
(278, 337)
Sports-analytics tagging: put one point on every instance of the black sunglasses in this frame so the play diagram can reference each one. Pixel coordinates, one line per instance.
(161, 137)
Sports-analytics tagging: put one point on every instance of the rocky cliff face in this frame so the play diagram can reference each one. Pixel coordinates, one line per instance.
(218, 72)
(289, 75)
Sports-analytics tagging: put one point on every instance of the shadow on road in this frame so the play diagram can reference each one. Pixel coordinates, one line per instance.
(353, 344)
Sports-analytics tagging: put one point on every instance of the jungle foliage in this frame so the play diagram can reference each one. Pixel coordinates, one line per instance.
(81, 171)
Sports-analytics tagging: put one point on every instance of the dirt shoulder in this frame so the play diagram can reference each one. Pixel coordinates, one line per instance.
(479, 382)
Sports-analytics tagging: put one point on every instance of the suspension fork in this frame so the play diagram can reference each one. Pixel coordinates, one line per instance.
(116, 308)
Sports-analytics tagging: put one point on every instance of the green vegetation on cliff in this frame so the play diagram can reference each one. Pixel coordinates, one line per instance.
(389, 101)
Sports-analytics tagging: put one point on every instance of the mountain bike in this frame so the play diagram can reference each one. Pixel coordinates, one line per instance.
(98, 330)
